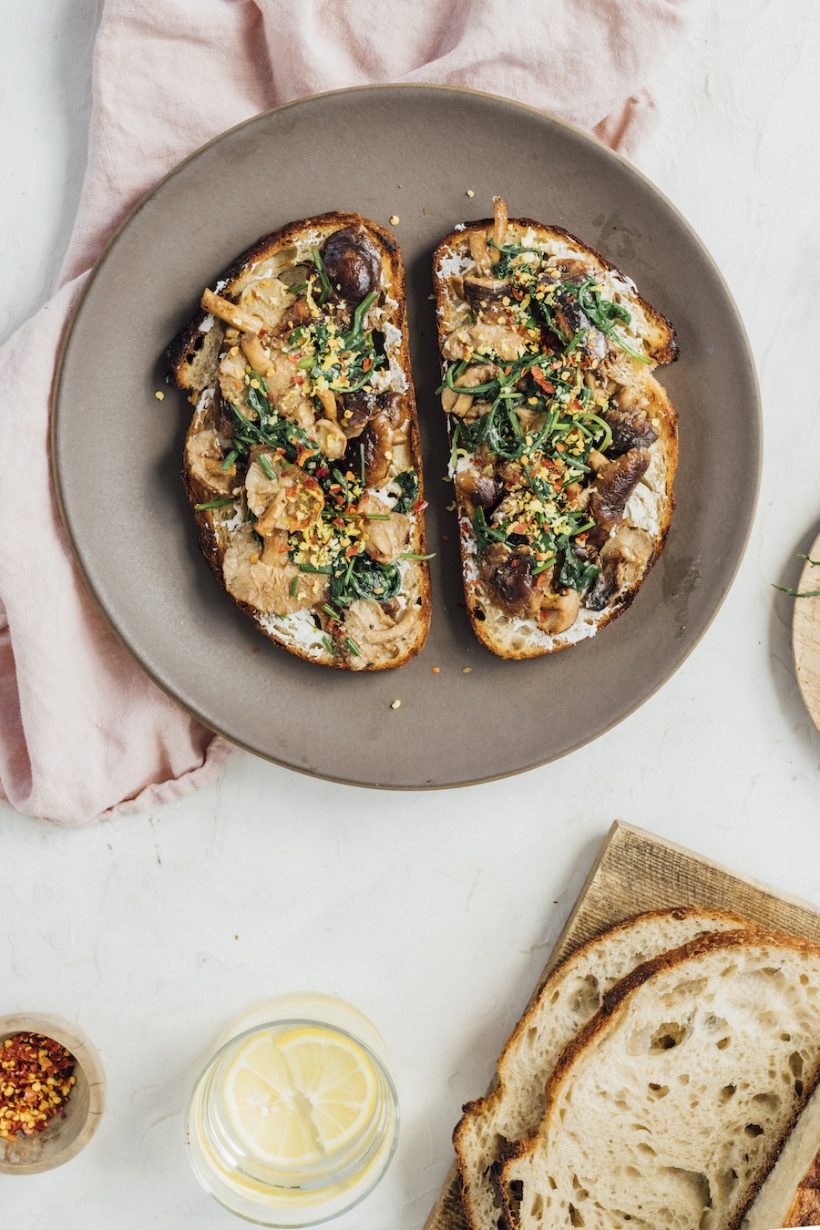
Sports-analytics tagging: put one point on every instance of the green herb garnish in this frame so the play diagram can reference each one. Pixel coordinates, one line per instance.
(353, 647)
(221, 503)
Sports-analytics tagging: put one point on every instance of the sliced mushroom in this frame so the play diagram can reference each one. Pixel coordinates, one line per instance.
(293, 405)
(614, 483)
(486, 337)
(478, 490)
(330, 438)
(500, 218)
(353, 265)
(624, 558)
(376, 444)
(327, 400)
(568, 320)
(480, 251)
(558, 611)
(290, 500)
(231, 313)
(482, 291)
(266, 586)
(375, 631)
(205, 457)
(231, 375)
(267, 300)
(385, 533)
(462, 404)
(507, 573)
(357, 411)
(629, 423)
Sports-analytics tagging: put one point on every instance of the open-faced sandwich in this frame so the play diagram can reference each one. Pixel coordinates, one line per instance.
(302, 461)
(564, 446)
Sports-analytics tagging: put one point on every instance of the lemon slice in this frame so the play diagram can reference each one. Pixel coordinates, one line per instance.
(296, 1097)
(270, 1118)
(336, 1077)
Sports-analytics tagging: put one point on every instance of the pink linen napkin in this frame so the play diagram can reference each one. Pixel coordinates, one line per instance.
(83, 731)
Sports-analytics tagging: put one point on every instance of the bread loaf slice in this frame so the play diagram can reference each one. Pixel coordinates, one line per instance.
(566, 1001)
(302, 460)
(791, 1194)
(564, 445)
(671, 1106)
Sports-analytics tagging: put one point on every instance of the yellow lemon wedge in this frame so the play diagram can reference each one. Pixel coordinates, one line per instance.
(295, 1097)
(336, 1077)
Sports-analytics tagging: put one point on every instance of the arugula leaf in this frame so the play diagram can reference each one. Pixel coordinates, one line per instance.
(363, 577)
(408, 481)
(484, 533)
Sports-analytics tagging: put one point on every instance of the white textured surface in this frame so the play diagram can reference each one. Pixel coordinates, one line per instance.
(432, 912)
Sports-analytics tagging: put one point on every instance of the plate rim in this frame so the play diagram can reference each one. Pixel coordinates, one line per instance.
(586, 138)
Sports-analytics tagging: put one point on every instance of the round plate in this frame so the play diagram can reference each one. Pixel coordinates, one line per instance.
(413, 151)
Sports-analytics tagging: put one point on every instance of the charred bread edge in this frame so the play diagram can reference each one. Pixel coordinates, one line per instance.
(492, 1098)
(180, 350)
(667, 353)
(616, 998)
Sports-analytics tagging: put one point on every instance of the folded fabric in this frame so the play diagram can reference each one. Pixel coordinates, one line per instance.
(83, 731)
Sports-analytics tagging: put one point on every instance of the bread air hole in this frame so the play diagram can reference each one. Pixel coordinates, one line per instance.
(768, 1101)
(575, 1218)
(537, 1206)
(722, 1043)
(658, 1091)
(727, 1093)
(753, 1129)
(667, 1036)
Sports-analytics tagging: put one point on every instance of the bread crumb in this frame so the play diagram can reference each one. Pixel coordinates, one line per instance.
(436, 670)
(394, 219)
(470, 193)
(466, 670)
(160, 396)
(396, 704)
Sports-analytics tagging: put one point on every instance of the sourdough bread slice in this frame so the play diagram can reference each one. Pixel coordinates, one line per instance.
(302, 460)
(564, 456)
(566, 1001)
(791, 1194)
(671, 1106)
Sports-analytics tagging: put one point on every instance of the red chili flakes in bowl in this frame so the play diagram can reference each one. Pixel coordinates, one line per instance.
(36, 1078)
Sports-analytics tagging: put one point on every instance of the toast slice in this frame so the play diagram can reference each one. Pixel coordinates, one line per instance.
(566, 1001)
(672, 1105)
(563, 444)
(791, 1194)
(302, 461)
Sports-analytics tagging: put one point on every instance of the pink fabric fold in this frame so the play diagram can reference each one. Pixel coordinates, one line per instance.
(83, 731)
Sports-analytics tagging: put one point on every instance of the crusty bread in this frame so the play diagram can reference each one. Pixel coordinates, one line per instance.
(557, 603)
(671, 1106)
(791, 1194)
(566, 1001)
(294, 603)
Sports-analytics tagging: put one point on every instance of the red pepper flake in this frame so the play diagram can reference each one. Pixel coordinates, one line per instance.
(366, 366)
(419, 506)
(36, 1078)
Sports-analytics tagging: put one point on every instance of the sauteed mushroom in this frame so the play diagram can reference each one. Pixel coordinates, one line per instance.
(352, 263)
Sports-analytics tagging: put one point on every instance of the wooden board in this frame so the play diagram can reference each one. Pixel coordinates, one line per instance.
(806, 635)
(635, 872)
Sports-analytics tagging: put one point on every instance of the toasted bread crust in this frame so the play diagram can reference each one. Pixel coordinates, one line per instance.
(614, 1001)
(184, 359)
(663, 350)
(805, 1211)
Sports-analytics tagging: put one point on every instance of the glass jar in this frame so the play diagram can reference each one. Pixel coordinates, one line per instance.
(280, 1138)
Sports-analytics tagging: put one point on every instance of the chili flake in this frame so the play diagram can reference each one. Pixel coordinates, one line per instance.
(36, 1078)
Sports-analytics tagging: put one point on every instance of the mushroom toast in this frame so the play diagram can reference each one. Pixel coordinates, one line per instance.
(564, 446)
(302, 461)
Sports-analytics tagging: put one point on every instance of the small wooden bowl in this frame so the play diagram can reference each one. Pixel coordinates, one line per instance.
(67, 1133)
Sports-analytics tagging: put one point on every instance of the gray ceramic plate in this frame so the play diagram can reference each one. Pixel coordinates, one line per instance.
(411, 151)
